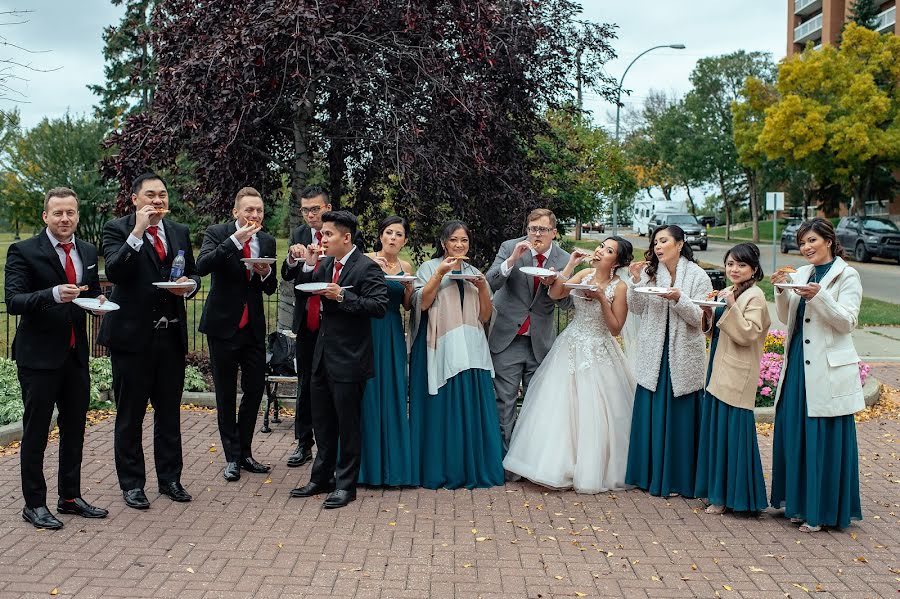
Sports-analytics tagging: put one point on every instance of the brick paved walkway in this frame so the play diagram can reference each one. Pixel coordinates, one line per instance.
(249, 539)
(887, 373)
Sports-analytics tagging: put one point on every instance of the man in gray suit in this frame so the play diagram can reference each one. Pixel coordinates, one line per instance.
(525, 326)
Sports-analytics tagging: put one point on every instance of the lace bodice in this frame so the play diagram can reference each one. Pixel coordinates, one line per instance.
(587, 336)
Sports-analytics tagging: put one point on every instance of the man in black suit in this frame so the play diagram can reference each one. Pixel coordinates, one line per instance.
(355, 292)
(43, 275)
(147, 337)
(235, 323)
(313, 204)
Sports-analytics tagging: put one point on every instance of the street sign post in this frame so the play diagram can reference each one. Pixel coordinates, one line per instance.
(774, 202)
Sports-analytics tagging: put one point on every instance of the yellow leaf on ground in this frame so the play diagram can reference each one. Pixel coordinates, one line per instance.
(755, 569)
(800, 586)
(191, 570)
(727, 588)
(862, 559)
(580, 594)
(54, 591)
(467, 565)
(558, 577)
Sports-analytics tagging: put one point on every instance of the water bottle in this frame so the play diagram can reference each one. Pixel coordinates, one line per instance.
(177, 267)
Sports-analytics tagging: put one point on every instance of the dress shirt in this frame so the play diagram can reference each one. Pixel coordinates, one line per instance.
(254, 250)
(76, 261)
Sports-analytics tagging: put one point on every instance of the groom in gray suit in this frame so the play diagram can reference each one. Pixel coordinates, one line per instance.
(525, 327)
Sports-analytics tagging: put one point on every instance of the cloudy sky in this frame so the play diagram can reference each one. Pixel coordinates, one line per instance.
(69, 33)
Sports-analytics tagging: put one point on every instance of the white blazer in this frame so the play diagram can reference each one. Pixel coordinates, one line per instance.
(831, 363)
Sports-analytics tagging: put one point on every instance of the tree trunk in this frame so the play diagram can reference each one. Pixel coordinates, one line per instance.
(691, 204)
(667, 192)
(726, 204)
(337, 153)
(753, 189)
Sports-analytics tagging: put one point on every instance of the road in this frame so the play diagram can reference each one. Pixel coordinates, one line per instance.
(880, 280)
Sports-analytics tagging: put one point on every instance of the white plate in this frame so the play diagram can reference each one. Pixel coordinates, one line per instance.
(584, 286)
(653, 290)
(258, 260)
(313, 287)
(791, 285)
(537, 271)
(173, 284)
(710, 303)
(400, 278)
(456, 276)
(90, 303)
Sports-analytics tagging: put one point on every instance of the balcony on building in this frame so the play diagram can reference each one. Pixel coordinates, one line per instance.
(808, 30)
(886, 20)
(805, 8)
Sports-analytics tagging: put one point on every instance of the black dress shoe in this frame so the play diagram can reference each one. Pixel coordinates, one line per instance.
(80, 507)
(41, 517)
(300, 456)
(251, 465)
(174, 491)
(232, 472)
(338, 498)
(135, 498)
(310, 489)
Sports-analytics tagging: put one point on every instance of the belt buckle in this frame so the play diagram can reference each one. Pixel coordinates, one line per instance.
(162, 323)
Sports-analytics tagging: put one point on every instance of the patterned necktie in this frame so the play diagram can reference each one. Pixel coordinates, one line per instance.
(245, 315)
(71, 278)
(315, 302)
(157, 242)
(527, 324)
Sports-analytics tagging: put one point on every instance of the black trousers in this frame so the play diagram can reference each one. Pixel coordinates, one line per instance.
(155, 375)
(244, 351)
(303, 424)
(69, 389)
(336, 411)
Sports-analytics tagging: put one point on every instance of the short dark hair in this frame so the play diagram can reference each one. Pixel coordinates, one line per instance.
(625, 253)
(148, 176)
(823, 228)
(343, 220)
(313, 191)
(59, 192)
(387, 222)
(748, 253)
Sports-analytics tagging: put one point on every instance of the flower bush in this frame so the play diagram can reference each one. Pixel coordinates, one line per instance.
(770, 366)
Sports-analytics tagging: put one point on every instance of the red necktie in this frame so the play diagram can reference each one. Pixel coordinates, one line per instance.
(317, 315)
(157, 242)
(315, 302)
(245, 316)
(72, 279)
(527, 324)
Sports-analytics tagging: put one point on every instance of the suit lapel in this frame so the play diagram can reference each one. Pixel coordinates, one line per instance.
(88, 259)
(171, 243)
(52, 255)
(351, 262)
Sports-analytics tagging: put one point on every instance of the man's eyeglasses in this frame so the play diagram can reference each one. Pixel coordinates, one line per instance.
(314, 210)
(539, 230)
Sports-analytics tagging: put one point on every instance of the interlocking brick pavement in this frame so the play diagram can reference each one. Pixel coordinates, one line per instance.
(887, 373)
(249, 539)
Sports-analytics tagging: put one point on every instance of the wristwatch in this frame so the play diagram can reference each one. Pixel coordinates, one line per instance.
(340, 297)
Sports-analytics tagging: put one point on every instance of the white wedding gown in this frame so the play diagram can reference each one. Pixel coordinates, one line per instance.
(575, 421)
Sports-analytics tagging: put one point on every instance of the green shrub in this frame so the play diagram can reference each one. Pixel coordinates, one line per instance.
(11, 408)
(194, 379)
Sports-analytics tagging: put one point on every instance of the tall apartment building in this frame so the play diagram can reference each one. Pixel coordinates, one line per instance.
(820, 21)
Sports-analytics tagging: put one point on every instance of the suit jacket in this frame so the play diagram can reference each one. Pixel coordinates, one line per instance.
(33, 269)
(742, 335)
(514, 300)
(344, 343)
(303, 234)
(133, 273)
(230, 289)
(831, 366)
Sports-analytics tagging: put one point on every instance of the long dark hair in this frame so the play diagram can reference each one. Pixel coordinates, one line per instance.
(449, 228)
(650, 256)
(625, 253)
(747, 253)
(824, 229)
(387, 222)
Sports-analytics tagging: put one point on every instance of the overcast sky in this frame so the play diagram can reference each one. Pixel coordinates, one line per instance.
(70, 33)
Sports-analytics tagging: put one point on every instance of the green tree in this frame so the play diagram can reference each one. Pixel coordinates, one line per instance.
(59, 152)
(865, 13)
(837, 116)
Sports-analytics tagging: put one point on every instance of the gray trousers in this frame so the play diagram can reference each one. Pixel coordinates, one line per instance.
(513, 367)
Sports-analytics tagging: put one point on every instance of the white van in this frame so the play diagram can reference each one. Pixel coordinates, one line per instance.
(643, 209)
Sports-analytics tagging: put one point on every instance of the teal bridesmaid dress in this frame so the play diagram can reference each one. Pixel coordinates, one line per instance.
(729, 469)
(662, 453)
(455, 434)
(815, 462)
(385, 451)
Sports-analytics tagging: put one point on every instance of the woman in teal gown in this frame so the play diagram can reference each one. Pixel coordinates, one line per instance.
(385, 453)
(815, 468)
(729, 469)
(454, 426)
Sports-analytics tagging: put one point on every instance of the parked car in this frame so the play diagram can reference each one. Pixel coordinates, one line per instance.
(789, 236)
(865, 236)
(595, 226)
(694, 232)
(710, 221)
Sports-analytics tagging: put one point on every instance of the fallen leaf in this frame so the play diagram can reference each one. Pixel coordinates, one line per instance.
(467, 565)
(281, 545)
(54, 591)
(392, 524)
(268, 481)
(212, 449)
(474, 531)
(580, 594)
(191, 570)
(727, 588)
(694, 567)
(819, 588)
(655, 578)
(800, 586)
(481, 539)
(558, 577)
(862, 559)
(755, 569)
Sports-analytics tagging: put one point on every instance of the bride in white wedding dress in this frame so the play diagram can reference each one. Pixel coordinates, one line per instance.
(575, 421)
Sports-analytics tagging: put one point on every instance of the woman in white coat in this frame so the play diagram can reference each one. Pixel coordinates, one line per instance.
(815, 470)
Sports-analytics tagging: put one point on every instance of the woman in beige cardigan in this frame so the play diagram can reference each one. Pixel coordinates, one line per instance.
(729, 470)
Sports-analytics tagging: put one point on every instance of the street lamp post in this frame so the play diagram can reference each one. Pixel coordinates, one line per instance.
(618, 109)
